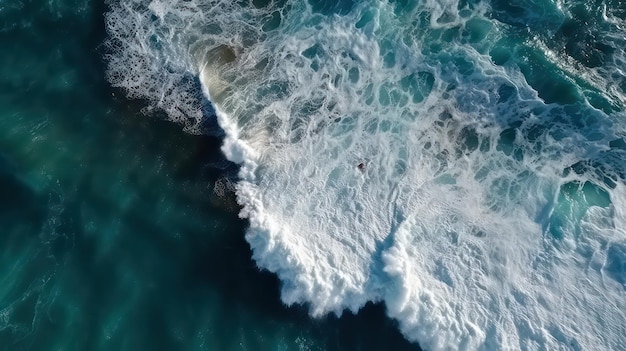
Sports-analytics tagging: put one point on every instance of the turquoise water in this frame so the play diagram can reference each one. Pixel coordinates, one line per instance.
(112, 235)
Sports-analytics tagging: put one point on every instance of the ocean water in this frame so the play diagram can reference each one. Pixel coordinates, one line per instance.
(441, 174)
(119, 231)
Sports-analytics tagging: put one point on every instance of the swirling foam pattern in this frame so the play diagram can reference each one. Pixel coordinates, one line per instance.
(459, 161)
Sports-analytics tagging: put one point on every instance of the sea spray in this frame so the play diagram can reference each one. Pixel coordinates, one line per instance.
(455, 160)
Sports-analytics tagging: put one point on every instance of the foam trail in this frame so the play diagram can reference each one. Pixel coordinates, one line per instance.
(390, 153)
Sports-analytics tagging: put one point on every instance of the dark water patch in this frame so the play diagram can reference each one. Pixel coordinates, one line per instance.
(19, 203)
(600, 102)
(581, 37)
(476, 30)
(330, 7)
(501, 52)
(506, 92)
(536, 15)
(606, 167)
(555, 89)
(616, 8)
(272, 21)
(418, 85)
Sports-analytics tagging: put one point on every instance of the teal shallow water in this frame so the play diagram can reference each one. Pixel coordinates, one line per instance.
(111, 234)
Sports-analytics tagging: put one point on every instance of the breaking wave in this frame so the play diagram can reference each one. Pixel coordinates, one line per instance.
(460, 161)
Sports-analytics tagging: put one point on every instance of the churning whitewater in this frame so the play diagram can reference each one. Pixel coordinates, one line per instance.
(460, 161)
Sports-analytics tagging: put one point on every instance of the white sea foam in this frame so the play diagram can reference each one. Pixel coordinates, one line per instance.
(384, 157)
